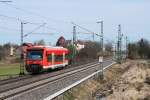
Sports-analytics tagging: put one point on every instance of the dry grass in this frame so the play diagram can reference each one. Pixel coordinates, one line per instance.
(128, 81)
(131, 85)
(88, 89)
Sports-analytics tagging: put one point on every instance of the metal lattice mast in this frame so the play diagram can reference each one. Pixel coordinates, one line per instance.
(93, 36)
(74, 44)
(101, 47)
(74, 34)
(119, 45)
(126, 47)
(22, 53)
(102, 37)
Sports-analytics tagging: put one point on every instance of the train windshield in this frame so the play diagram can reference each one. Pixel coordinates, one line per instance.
(35, 54)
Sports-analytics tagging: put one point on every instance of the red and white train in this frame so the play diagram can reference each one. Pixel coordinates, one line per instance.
(44, 57)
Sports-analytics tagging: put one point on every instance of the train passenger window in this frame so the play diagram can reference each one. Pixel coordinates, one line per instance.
(58, 58)
(35, 54)
(49, 58)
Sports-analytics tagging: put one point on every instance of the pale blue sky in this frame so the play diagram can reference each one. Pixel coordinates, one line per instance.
(133, 15)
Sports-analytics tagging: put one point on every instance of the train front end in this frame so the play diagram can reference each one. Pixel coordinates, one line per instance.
(34, 59)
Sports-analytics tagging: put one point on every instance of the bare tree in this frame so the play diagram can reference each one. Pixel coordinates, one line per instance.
(140, 49)
(143, 48)
(108, 47)
(40, 42)
(132, 50)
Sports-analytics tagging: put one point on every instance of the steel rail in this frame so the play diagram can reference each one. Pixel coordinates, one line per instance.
(75, 84)
(15, 83)
(32, 79)
(21, 89)
(14, 79)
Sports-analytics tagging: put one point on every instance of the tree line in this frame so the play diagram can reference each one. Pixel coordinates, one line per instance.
(140, 49)
(5, 50)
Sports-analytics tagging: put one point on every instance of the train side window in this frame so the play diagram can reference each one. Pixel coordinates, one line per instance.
(49, 58)
(58, 58)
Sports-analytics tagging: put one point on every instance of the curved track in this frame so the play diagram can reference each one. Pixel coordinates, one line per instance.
(27, 76)
(26, 84)
(32, 79)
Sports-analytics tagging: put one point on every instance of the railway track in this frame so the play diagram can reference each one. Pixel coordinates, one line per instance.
(29, 80)
(17, 87)
(27, 76)
(7, 81)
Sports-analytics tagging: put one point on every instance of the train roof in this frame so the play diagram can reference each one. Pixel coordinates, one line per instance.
(48, 47)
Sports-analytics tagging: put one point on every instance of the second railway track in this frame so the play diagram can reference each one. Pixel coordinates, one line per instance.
(29, 80)
(15, 88)
(27, 76)
(11, 92)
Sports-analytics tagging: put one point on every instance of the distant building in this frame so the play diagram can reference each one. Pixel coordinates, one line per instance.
(64, 43)
(80, 45)
(11, 51)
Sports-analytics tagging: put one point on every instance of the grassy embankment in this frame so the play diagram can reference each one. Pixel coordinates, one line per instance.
(128, 81)
(9, 70)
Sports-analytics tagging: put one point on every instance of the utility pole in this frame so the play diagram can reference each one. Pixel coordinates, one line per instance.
(126, 47)
(74, 34)
(101, 46)
(22, 51)
(21, 45)
(116, 50)
(74, 44)
(93, 36)
(101, 35)
(119, 45)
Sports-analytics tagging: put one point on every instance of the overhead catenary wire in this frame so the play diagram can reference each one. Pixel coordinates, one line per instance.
(41, 16)
(9, 29)
(29, 12)
(12, 18)
(82, 28)
(33, 13)
(18, 19)
(33, 23)
(90, 32)
(34, 29)
(85, 29)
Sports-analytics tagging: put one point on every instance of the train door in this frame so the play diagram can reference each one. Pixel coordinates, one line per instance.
(53, 58)
(50, 59)
(63, 57)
